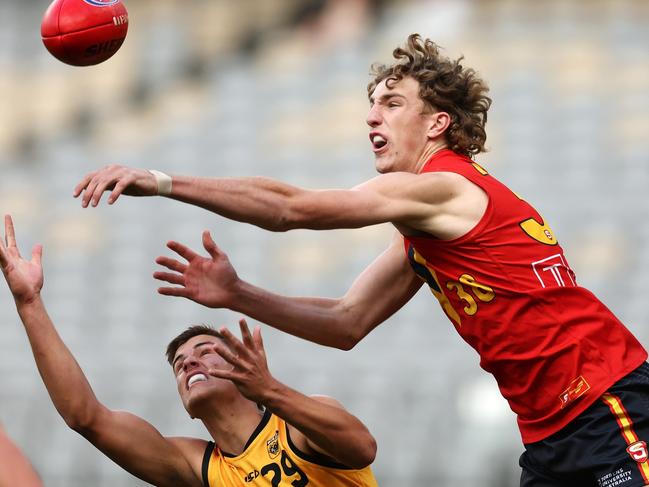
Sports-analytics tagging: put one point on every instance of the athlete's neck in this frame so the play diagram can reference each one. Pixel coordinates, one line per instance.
(231, 425)
(433, 147)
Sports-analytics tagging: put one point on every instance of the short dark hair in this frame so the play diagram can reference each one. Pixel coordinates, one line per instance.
(190, 332)
(444, 85)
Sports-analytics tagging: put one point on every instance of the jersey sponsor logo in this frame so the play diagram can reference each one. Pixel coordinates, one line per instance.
(638, 451)
(578, 387)
(251, 476)
(272, 445)
(101, 3)
(554, 271)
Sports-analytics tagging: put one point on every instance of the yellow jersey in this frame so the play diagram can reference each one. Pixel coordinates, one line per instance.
(271, 459)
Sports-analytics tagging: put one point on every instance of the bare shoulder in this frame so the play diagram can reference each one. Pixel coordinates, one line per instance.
(433, 187)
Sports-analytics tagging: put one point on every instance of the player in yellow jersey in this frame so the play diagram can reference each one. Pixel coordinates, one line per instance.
(264, 433)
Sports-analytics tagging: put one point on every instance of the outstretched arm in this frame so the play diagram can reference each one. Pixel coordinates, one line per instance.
(320, 424)
(409, 199)
(383, 288)
(15, 469)
(128, 440)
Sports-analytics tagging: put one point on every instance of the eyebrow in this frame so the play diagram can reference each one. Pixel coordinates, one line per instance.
(386, 97)
(173, 364)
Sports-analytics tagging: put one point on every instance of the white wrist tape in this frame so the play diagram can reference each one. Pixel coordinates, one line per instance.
(163, 181)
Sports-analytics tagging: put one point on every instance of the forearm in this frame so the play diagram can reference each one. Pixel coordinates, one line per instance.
(377, 294)
(260, 201)
(332, 429)
(66, 384)
(325, 321)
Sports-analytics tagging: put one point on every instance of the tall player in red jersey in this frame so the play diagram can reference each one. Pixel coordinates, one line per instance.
(573, 374)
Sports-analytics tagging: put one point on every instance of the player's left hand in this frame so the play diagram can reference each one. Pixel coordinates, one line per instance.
(248, 359)
(24, 277)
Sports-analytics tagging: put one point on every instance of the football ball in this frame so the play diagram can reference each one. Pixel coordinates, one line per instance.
(84, 32)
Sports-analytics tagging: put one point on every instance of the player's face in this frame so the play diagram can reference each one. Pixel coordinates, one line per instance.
(399, 125)
(191, 363)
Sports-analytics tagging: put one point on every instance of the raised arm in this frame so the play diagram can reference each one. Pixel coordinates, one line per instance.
(383, 288)
(128, 440)
(318, 423)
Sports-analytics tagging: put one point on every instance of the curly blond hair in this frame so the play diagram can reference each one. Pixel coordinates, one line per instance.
(444, 85)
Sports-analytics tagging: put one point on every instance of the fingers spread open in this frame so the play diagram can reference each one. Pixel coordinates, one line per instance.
(245, 334)
(233, 342)
(228, 353)
(171, 264)
(259, 342)
(169, 277)
(174, 291)
(222, 374)
(10, 235)
(182, 250)
(210, 245)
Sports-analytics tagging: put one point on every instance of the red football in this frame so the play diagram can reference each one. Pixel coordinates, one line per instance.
(84, 32)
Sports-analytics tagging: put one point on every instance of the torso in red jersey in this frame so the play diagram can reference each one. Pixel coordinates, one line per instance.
(552, 346)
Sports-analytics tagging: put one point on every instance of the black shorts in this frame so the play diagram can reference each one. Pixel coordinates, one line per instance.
(605, 446)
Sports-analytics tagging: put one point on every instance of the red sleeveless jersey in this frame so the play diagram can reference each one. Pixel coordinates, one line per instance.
(552, 346)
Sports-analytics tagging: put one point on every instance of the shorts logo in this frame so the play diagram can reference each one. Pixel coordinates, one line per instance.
(272, 445)
(638, 451)
(577, 387)
(101, 3)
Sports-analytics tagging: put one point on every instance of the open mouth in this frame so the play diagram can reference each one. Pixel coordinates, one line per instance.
(378, 142)
(196, 378)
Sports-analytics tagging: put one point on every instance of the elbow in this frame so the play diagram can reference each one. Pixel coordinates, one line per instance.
(346, 343)
(81, 426)
(349, 339)
(366, 454)
(83, 423)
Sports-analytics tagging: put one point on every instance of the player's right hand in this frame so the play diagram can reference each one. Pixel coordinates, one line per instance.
(25, 278)
(210, 281)
(117, 179)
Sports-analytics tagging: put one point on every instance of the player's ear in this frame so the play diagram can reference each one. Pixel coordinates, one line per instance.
(438, 124)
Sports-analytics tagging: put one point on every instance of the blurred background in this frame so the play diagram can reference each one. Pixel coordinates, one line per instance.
(277, 88)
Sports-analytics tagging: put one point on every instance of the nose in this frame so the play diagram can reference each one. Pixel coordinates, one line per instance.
(374, 116)
(189, 362)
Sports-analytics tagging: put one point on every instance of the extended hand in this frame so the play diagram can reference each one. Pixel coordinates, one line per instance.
(119, 179)
(25, 278)
(248, 359)
(210, 281)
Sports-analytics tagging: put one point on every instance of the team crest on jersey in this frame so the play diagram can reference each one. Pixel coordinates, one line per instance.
(577, 388)
(638, 451)
(101, 3)
(272, 445)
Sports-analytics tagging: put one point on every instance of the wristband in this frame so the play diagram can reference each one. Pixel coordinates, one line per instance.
(163, 181)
